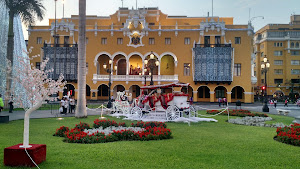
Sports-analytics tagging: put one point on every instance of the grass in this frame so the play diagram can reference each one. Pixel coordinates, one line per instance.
(201, 145)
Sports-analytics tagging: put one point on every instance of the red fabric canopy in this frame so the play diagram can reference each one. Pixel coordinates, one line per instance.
(166, 86)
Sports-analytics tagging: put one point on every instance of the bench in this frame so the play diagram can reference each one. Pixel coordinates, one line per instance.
(285, 112)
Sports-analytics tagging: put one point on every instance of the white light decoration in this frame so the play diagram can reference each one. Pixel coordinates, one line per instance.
(268, 64)
(265, 59)
(104, 66)
(157, 63)
(151, 56)
(146, 62)
(262, 66)
(116, 67)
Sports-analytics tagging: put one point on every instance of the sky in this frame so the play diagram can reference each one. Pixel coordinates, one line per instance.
(273, 11)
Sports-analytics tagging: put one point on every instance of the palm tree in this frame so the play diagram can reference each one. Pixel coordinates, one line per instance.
(81, 100)
(29, 11)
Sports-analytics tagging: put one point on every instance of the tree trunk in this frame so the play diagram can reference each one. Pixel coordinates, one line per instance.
(10, 54)
(81, 97)
(26, 124)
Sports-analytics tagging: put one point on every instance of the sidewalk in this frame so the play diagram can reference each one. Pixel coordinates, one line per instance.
(257, 107)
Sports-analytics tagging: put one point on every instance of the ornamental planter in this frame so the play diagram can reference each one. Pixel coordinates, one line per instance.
(15, 156)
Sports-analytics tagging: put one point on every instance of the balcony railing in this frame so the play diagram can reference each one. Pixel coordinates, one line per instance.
(60, 45)
(160, 78)
(211, 45)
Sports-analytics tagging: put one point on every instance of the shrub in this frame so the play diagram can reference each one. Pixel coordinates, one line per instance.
(153, 131)
(289, 134)
(82, 126)
(107, 123)
(61, 131)
(240, 113)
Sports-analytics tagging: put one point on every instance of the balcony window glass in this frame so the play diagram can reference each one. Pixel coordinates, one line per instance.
(277, 53)
(120, 41)
(292, 44)
(278, 62)
(206, 41)
(151, 41)
(103, 41)
(295, 62)
(295, 71)
(297, 44)
(187, 69)
(295, 53)
(39, 40)
(168, 41)
(237, 40)
(217, 40)
(237, 69)
(187, 41)
(278, 71)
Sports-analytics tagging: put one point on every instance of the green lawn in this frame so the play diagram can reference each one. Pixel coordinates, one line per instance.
(201, 145)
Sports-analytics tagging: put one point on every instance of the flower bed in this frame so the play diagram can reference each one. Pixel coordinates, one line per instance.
(109, 131)
(254, 121)
(289, 134)
(240, 113)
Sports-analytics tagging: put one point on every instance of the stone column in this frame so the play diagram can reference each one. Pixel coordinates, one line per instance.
(248, 97)
(195, 96)
(228, 97)
(212, 96)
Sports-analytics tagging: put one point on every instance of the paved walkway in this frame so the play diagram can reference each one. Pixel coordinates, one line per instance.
(257, 107)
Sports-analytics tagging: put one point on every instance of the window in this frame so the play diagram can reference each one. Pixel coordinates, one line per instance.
(295, 71)
(103, 41)
(254, 73)
(66, 41)
(281, 44)
(292, 45)
(278, 71)
(262, 80)
(237, 40)
(278, 62)
(87, 67)
(262, 46)
(38, 65)
(277, 53)
(168, 41)
(295, 62)
(187, 41)
(278, 81)
(297, 44)
(187, 67)
(237, 69)
(217, 40)
(295, 80)
(278, 44)
(57, 40)
(295, 53)
(151, 23)
(151, 41)
(275, 44)
(207, 41)
(39, 40)
(120, 41)
(262, 54)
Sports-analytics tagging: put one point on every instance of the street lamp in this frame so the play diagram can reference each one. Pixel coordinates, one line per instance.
(109, 71)
(151, 65)
(265, 67)
(144, 75)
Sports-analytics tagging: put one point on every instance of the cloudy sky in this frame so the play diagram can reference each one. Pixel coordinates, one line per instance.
(274, 11)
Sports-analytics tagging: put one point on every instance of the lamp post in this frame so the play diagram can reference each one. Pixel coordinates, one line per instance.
(63, 2)
(144, 75)
(151, 65)
(109, 71)
(265, 67)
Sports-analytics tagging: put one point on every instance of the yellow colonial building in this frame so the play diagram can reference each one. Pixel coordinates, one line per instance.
(280, 44)
(210, 53)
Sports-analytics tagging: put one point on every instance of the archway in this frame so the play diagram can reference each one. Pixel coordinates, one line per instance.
(220, 92)
(136, 65)
(88, 92)
(135, 91)
(151, 63)
(69, 89)
(237, 93)
(118, 88)
(120, 61)
(167, 65)
(102, 93)
(203, 94)
(102, 59)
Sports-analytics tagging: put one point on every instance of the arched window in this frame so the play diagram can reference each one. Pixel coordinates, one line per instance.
(297, 44)
(292, 45)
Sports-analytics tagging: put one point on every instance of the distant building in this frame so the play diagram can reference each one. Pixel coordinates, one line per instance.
(280, 43)
(210, 53)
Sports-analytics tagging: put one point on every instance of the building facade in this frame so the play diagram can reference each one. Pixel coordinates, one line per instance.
(210, 53)
(280, 44)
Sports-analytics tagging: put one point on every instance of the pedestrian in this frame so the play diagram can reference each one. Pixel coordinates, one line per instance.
(191, 100)
(63, 105)
(66, 105)
(220, 101)
(275, 103)
(1, 103)
(225, 101)
(10, 102)
(285, 103)
(72, 104)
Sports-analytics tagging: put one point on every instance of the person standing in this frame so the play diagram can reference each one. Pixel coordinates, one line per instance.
(10, 102)
(66, 105)
(225, 101)
(285, 103)
(275, 103)
(1, 103)
(62, 105)
(72, 104)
